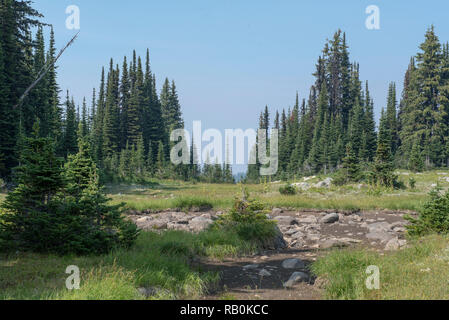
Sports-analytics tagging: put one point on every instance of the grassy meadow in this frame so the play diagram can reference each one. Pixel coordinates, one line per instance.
(168, 194)
(420, 271)
(166, 261)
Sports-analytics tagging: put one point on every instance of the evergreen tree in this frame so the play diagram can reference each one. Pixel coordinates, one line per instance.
(70, 133)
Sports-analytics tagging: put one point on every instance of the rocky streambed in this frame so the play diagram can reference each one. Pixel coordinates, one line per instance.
(312, 229)
(304, 234)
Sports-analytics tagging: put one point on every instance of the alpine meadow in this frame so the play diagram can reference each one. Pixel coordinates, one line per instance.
(105, 194)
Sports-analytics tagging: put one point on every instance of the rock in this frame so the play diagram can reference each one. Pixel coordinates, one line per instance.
(309, 178)
(142, 220)
(200, 223)
(276, 211)
(178, 226)
(379, 235)
(293, 264)
(298, 235)
(399, 229)
(296, 277)
(264, 273)
(250, 267)
(279, 241)
(307, 219)
(313, 236)
(326, 183)
(329, 243)
(379, 227)
(153, 224)
(289, 232)
(392, 244)
(301, 185)
(330, 218)
(285, 220)
(356, 217)
(152, 291)
(321, 283)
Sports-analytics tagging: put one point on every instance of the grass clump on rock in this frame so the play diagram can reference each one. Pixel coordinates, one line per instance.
(248, 219)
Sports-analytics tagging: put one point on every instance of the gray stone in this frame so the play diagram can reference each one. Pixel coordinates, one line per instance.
(379, 235)
(200, 223)
(307, 219)
(293, 264)
(301, 185)
(393, 244)
(277, 211)
(296, 277)
(285, 220)
(379, 227)
(250, 267)
(298, 235)
(326, 183)
(330, 218)
(264, 273)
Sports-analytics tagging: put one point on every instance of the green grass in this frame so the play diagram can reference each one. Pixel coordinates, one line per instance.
(169, 194)
(157, 260)
(418, 272)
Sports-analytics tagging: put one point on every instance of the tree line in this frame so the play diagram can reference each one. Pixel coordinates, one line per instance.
(335, 128)
(126, 122)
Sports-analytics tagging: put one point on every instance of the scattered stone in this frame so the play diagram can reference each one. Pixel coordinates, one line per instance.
(276, 211)
(330, 218)
(293, 264)
(285, 220)
(296, 277)
(200, 223)
(250, 267)
(393, 244)
(298, 235)
(379, 235)
(264, 273)
(307, 219)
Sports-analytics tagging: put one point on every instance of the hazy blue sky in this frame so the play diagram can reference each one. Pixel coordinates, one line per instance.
(231, 58)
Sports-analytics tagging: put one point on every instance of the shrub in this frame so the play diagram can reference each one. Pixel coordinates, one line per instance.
(412, 183)
(434, 218)
(248, 218)
(287, 190)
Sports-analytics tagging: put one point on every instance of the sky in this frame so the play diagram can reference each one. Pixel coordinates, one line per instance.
(231, 58)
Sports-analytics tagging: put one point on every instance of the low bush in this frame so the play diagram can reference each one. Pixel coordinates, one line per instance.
(248, 219)
(433, 218)
(288, 189)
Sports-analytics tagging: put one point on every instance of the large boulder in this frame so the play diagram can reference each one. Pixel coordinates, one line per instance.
(330, 218)
(295, 278)
(326, 183)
